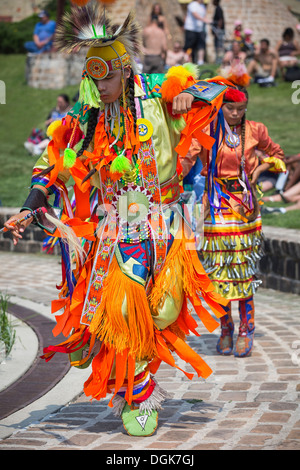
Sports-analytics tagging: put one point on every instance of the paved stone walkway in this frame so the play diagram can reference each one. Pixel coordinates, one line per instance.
(251, 403)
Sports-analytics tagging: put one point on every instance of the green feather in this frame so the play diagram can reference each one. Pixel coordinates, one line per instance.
(192, 68)
(178, 124)
(69, 158)
(120, 164)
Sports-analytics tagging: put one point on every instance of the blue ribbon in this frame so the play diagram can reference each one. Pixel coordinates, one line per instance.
(213, 186)
(71, 281)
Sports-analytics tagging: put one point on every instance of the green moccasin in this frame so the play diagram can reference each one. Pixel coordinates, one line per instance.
(139, 424)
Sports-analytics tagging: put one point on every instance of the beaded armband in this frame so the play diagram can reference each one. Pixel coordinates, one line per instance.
(205, 91)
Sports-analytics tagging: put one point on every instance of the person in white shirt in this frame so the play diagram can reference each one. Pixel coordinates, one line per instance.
(194, 27)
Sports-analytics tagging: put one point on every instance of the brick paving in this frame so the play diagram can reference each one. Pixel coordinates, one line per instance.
(251, 403)
(40, 376)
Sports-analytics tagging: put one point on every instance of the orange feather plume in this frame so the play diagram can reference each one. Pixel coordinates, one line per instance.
(80, 3)
(106, 2)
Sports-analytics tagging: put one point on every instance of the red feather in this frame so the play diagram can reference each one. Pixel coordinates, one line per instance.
(235, 95)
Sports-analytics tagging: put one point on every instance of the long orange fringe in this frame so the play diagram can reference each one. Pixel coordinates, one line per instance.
(132, 336)
(135, 332)
(183, 262)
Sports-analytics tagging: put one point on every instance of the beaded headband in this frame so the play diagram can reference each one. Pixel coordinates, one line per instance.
(97, 68)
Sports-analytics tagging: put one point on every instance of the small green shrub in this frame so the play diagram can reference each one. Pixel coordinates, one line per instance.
(7, 331)
(13, 35)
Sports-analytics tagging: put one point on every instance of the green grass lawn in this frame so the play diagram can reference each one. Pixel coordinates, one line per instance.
(27, 108)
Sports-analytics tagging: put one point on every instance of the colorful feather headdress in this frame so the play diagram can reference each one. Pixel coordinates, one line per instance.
(89, 26)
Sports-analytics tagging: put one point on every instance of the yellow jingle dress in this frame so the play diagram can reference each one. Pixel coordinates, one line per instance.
(232, 242)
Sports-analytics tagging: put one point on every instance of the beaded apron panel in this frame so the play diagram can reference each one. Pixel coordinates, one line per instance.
(134, 214)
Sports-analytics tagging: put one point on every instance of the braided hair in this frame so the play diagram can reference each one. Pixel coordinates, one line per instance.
(92, 123)
(131, 98)
(243, 124)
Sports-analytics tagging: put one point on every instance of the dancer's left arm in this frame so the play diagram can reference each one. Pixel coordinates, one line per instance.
(274, 155)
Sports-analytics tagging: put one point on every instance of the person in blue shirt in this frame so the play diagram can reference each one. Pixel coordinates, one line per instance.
(43, 35)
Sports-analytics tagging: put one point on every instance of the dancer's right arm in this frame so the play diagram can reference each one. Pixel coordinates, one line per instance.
(30, 204)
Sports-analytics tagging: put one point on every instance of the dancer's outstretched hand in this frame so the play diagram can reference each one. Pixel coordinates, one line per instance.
(182, 103)
(16, 228)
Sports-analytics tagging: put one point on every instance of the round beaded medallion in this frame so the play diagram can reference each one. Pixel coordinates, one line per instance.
(133, 206)
(97, 68)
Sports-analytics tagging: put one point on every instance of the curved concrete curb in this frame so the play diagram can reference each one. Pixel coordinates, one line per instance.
(22, 355)
(60, 395)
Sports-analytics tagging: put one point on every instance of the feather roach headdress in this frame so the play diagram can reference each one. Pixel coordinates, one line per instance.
(89, 26)
(109, 47)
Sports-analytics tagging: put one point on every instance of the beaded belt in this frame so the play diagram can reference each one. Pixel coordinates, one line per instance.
(231, 184)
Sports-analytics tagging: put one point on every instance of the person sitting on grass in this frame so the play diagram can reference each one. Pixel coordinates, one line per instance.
(287, 49)
(291, 195)
(293, 167)
(263, 66)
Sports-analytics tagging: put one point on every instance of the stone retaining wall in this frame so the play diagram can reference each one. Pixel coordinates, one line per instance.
(54, 70)
(279, 268)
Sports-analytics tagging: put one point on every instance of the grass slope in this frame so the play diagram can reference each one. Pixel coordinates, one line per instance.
(25, 109)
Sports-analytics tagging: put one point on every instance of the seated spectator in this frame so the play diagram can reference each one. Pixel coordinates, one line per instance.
(291, 191)
(233, 66)
(43, 35)
(282, 181)
(37, 141)
(237, 33)
(293, 167)
(60, 110)
(290, 195)
(287, 49)
(263, 67)
(177, 56)
(234, 55)
(248, 44)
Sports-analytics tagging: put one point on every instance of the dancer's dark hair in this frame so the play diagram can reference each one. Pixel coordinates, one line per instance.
(92, 123)
(131, 97)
